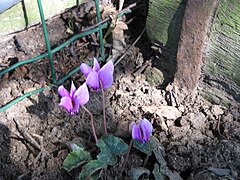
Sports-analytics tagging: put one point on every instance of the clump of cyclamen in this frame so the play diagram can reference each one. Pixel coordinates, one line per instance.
(142, 130)
(72, 100)
(96, 76)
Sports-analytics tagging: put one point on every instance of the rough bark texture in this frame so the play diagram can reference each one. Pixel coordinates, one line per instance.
(197, 18)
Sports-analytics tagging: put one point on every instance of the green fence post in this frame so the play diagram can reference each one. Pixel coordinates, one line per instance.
(47, 41)
(100, 30)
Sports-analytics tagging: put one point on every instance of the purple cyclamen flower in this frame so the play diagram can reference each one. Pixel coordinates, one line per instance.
(142, 130)
(73, 100)
(96, 74)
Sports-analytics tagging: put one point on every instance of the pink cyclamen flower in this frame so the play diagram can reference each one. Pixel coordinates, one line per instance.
(142, 130)
(96, 74)
(72, 100)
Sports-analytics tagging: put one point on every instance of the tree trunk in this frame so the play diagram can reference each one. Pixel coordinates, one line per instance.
(208, 47)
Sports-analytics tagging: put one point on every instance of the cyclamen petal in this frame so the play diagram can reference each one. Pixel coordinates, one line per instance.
(142, 131)
(73, 100)
(73, 89)
(96, 66)
(147, 126)
(136, 133)
(93, 81)
(86, 69)
(82, 94)
(106, 75)
(96, 75)
(66, 102)
(62, 91)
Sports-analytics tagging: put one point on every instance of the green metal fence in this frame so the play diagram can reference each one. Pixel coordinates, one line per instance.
(56, 82)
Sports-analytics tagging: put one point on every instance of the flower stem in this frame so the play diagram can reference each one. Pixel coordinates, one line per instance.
(145, 161)
(127, 155)
(92, 123)
(144, 164)
(104, 110)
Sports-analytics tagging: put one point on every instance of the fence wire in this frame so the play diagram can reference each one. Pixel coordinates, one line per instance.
(97, 28)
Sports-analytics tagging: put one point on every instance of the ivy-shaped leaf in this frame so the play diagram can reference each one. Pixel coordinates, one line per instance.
(158, 151)
(111, 147)
(136, 173)
(143, 147)
(92, 170)
(157, 172)
(76, 158)
(160, 171)
(107, 157)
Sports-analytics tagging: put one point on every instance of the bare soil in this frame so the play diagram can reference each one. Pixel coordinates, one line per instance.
(201, 139)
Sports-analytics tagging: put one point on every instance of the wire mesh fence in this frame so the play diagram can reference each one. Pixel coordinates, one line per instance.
(49, 54)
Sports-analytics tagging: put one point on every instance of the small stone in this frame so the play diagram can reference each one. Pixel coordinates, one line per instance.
(170, 123)
(162, 123)
(181, 108)
(217, 110)
(197, 120)
(29, 90)
(169, 112)
(133, 109)
(154, 76)
(15, 93)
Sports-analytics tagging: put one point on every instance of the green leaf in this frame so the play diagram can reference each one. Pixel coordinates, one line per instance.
(157, 172)
(158, 151)
(107, 157)
(111, 147)
(92, 170)
(76, 158)
(143, 147)
(136, 173)
(160, 171)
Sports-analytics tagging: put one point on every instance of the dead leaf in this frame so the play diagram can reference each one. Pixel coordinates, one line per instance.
(168, 112)
(108, 11)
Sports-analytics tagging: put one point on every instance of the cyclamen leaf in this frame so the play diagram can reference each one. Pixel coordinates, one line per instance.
(111, 147)
(157, 172)
(160, 171)
(143, 147)
(136, 173)
(158, 151)
(107, 157)
(76, 158)
(92, 170)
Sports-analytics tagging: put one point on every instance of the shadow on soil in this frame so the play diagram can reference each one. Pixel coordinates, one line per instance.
(8, 168)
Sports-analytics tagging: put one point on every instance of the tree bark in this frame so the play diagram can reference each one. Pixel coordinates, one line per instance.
(197, 18)
(207, 48)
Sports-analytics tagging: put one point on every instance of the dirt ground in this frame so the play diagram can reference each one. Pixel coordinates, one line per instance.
(201, 139)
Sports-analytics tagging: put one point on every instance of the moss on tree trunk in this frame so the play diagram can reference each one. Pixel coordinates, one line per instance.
(164, 21)
(222, 67)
